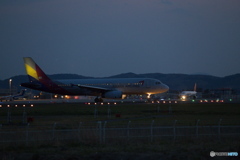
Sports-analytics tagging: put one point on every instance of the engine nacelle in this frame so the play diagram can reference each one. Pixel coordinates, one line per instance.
(112, 94)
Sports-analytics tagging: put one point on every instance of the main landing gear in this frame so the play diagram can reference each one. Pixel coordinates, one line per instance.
(98, 99)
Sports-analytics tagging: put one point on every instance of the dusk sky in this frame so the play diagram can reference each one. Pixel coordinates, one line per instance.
(100, 38)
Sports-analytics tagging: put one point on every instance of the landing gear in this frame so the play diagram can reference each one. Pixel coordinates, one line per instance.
(149, 97)
(98, 99)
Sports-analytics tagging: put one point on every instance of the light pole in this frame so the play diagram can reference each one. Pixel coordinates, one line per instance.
(10, 86)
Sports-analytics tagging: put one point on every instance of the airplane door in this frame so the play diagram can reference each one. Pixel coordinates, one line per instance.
(147, 83)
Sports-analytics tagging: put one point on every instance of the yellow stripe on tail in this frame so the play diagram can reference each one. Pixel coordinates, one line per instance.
(30, 67)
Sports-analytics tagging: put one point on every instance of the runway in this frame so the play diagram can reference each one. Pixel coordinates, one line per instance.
(112, 101)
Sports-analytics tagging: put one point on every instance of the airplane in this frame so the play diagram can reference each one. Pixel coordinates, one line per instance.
(189, 94)
(100, 87)
(12, 97)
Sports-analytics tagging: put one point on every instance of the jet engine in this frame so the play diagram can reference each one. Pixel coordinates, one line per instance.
(112, 94)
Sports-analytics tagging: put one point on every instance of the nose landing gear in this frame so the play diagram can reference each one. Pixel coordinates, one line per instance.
(98, 99)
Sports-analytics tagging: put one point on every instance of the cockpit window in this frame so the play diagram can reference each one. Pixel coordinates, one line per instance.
(158, 83)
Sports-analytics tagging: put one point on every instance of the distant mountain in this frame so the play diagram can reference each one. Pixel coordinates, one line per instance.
(174, 81)
(125, 75)
(67, 76)
(16, 81)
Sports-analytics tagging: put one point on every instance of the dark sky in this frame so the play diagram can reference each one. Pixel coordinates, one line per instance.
(101, 38)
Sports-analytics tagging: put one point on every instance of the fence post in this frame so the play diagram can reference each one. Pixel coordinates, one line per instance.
(0, 130)
(152, 130)
(53, 130)
(128, 129)
(219, 129)
(197, 127)
(79, 131)
(27, 135)
(104, 131)
(174, 129)
(99, 129)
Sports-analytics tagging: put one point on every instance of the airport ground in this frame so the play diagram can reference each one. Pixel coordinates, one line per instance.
(163, 113)
(186, 112)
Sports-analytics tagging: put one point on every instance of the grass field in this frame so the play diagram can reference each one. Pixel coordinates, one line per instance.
(162, 114)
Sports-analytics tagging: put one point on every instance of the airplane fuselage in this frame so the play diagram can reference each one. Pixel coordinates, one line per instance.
(125, 85)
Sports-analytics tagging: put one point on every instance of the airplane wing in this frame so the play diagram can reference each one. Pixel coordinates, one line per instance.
(104, 92)
(93, 88)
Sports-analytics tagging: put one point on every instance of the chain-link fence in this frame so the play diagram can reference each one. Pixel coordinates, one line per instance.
(103, 132)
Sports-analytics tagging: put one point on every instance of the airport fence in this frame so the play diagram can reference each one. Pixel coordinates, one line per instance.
(107, 133)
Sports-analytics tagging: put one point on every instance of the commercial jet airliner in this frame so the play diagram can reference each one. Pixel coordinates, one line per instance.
(189, 94)
(101, 87)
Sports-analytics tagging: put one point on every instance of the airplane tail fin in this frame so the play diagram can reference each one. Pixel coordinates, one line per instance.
(195, 87)
(34, 72)
(38, 79)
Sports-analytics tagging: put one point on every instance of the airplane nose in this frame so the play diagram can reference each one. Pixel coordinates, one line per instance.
(166, 88)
